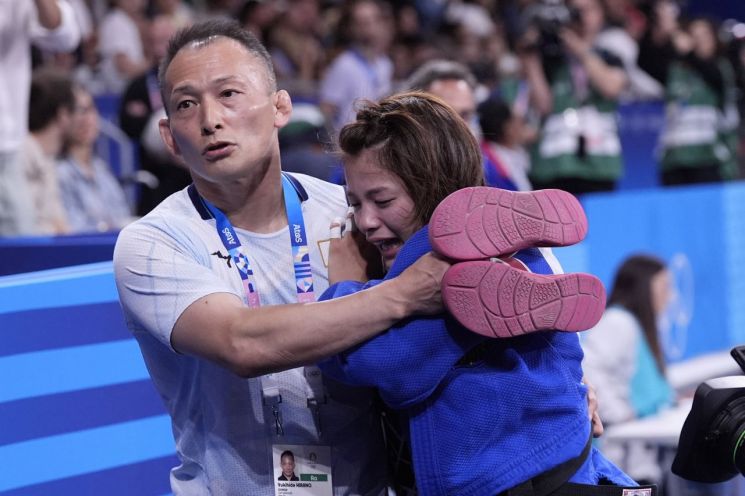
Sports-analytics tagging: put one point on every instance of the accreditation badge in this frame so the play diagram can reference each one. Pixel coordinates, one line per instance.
(302, 470)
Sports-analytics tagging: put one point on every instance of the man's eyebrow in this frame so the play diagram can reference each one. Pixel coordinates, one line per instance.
(183, 88)
(188, 88)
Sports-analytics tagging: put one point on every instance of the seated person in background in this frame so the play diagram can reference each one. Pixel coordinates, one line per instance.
(139, 114)
(93, 198)
(50, 117)
(484, 415)
(624, 358)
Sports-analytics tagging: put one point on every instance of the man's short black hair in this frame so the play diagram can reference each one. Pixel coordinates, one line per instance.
(287, 453)
(206, 32)
(51, 91)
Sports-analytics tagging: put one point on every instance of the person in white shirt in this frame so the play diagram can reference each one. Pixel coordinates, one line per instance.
(218, 284)
(51, 25)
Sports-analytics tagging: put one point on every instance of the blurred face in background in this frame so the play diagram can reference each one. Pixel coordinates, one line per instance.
(661, 291)
(302, 15)
(704, 39)
(459, 95)
(161, 31)
(591, 16)
(370, 26)
(84, 129)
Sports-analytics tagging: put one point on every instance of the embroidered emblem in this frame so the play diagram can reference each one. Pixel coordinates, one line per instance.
(227, 258)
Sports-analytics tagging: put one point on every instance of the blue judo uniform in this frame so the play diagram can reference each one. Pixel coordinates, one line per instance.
(514, 410)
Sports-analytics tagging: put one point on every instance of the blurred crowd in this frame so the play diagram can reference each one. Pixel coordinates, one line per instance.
(538, 81)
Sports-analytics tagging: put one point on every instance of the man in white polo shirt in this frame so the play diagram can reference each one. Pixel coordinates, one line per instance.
(218, 283)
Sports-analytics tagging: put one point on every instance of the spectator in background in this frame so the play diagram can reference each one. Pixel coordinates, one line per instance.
(94, 200)
(257, 16)
(302, 143)
(453, 83)
(456, 86)
(50, 117)
(363, 69)
(178, 12)
(698, 144)
(140, 111)
(51, 25)
(505, 135)
(624, 357)
(624, 26)
(121, 45)
(575, 87)
(294, 42)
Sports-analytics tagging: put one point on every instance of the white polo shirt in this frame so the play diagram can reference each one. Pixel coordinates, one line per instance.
(223, 431)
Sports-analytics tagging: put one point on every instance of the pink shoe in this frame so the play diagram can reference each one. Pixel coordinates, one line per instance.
(496, 300)
(482, 222)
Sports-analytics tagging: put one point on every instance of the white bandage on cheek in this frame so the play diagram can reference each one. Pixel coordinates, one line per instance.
(335, 229)
(349, 223)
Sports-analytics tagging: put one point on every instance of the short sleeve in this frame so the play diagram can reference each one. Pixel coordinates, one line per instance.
(159, 274)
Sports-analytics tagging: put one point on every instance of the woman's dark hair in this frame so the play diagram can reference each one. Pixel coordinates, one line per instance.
(494, 114)
(420, 139)
(632, 289)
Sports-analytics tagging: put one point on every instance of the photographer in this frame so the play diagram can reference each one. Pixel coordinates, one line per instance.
(699, 143)
(575, 87)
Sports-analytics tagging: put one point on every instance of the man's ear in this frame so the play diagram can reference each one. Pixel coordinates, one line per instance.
(167, 136)
(282, 108)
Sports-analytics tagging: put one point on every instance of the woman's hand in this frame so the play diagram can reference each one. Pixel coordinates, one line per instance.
(592, 407)
(351, 257)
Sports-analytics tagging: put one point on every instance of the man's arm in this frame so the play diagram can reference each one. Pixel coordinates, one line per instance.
(50, 15)
(608, 80)
(256, 341)
(56, 28)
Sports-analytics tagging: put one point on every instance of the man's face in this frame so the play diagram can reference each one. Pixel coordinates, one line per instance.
(458, 94)
(223, 115)
(370, 26)
(288, 466)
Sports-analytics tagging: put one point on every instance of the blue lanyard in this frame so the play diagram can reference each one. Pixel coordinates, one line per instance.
(298, 240)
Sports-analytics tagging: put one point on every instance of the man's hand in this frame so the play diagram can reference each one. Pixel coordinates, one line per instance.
(420, 285)
(351, 257)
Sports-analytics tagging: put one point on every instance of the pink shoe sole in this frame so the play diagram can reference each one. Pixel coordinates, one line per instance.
(496, 300)
(481, 222)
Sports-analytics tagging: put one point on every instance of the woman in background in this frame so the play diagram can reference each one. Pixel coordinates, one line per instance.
(93, 198)
(624, 358)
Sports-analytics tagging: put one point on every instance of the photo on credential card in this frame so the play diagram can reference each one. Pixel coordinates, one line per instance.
(302, 470)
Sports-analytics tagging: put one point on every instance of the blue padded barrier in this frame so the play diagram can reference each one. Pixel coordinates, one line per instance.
(79, 414)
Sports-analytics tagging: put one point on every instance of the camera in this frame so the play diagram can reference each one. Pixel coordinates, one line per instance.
(711, 447)
(549, 17)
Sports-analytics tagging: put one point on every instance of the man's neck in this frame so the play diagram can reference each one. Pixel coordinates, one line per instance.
(255, 204)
